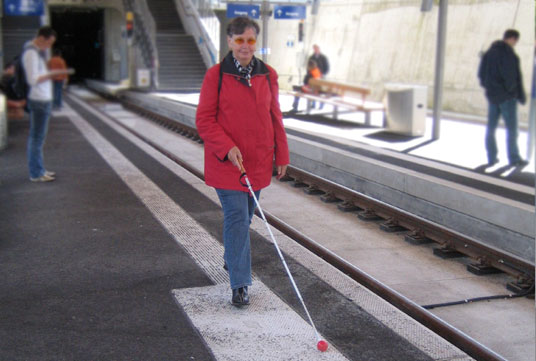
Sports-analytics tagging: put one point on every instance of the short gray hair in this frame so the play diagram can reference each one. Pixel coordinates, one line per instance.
(240, 24)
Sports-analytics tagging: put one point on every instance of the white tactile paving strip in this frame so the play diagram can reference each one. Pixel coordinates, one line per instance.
(430, 343)
(267, 329)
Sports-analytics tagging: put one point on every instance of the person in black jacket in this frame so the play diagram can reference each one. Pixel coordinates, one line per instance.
(500, 74)
(323, 64)
(321, 60)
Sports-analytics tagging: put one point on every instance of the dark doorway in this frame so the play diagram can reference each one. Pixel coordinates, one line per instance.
(80, 39)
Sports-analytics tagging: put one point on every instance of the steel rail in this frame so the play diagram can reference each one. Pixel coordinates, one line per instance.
(464, 342)
(426, 318)
(485, 254)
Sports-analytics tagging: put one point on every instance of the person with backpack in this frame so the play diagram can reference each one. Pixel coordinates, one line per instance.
(240, 122)
(15, 106)
(500, 75)
(39, 80)
(323, 64)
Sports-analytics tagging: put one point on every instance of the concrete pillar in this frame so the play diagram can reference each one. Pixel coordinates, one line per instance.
(3, 122)
(439, 67)
(265, 15)
(532, 113)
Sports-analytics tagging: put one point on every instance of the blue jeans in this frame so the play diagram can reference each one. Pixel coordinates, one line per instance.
(238, 208)
(58, 93)
(508, 110)
(39, 117)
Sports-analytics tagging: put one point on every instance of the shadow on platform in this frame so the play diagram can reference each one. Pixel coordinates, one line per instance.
(326, 119)
(516, 175)
(391, 137)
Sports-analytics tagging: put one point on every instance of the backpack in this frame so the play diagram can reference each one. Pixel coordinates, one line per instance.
(20, 86)
(483, 70)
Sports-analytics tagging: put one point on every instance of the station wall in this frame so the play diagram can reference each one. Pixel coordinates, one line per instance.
(374, 42)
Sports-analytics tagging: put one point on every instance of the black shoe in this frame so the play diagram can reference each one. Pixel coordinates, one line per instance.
(491, 163)
(519, 163)
(240, 297)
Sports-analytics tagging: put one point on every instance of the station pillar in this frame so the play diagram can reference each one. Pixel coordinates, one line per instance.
(3, 122)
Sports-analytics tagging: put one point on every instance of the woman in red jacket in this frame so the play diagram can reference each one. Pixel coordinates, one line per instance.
(239, 119)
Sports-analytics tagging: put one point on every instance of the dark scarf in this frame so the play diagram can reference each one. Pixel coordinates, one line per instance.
(245, 72)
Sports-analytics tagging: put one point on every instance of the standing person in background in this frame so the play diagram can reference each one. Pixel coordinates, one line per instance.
(500, 74)
(239, 119)
(39, 79)
(58, 63)
(321, 60)
(15, 106)
(323, 64)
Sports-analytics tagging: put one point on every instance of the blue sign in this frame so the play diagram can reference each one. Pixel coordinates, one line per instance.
(289, 12)
(24, 7)
(235, 10)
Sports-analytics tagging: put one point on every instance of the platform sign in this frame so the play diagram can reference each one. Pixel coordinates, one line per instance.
(235, 10)
(24, 7)
(289, 12)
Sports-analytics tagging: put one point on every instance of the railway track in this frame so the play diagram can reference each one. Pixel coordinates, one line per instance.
(450, 243)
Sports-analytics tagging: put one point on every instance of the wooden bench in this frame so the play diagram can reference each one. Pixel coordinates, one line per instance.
(339, 95)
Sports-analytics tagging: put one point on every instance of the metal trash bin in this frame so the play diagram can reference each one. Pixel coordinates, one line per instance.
(406, 109)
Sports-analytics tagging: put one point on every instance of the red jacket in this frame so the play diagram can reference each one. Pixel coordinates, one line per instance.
(248, 117)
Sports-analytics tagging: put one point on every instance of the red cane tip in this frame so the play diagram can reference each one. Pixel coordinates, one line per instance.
(322, 345)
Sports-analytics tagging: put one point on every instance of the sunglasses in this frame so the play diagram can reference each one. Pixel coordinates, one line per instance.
(250, 41)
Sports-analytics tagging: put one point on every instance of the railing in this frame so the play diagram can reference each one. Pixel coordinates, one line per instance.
(200, 21)
(149, 39)
(145, 35)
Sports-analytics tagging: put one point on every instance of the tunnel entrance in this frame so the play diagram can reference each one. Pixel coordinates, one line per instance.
(81, 40)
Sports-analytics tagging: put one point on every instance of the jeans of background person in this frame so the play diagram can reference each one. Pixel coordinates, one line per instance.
(238, 208)
(508, 110)
(296, 102)
(39, 117)
(58, 93)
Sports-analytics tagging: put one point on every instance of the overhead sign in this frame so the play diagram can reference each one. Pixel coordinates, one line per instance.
(289, 12)
(235, 10)
(24, 7)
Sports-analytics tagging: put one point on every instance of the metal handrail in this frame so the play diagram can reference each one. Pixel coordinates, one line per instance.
(205, 28)
(147, 34)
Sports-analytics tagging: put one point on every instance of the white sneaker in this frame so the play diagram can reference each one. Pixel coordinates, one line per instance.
(43, 178)
(50, 173)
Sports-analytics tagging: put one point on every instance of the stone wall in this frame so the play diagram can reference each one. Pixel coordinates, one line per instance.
(374, 42)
